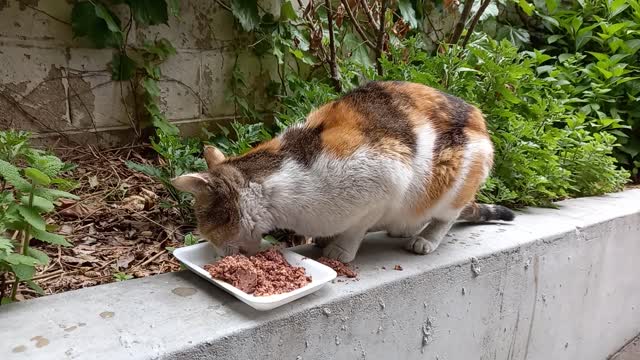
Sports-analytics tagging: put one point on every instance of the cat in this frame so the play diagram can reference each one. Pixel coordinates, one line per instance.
(398, 157)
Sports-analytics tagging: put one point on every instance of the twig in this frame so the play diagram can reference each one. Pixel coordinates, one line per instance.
(224, 6)
(44, 276)
(369, 14)
(474, 21)
(356, 25)
(46, 13)
(381, 34)
(149, 260)
(457, 32)
(333, 66)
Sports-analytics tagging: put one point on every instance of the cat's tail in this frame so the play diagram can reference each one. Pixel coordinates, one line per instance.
(475, 212)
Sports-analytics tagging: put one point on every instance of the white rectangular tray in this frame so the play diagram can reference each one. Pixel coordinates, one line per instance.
(194, 257)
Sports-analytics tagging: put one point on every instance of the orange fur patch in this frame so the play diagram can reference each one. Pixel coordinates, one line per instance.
(445, 171)
(476, 122)
(395, 148)
(472, 182)
(341, 128)
(272, 145)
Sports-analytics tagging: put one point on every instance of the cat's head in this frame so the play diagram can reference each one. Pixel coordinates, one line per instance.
(217, 204)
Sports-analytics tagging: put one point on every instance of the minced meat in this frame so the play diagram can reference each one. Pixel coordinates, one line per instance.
(266, 273)
(341, 268)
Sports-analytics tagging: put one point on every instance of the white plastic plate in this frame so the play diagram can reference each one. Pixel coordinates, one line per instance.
(194, 257)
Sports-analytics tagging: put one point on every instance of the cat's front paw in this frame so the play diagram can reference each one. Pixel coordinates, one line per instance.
(335, 252)
(323, 241)
(420, 245)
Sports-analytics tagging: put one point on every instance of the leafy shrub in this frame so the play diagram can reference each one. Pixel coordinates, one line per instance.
(592, 47)
(29, 187)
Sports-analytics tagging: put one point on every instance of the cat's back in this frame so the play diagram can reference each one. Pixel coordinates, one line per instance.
(392, 118)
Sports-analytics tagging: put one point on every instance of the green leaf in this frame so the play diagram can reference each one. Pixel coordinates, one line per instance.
(37, 176)
(19, 259)
(582, 38)
(122, 67)
(35, 287)
(616, 7)
(40, 203)
(552, 5)
(246, 11)
(32, 216)
(146, 169)
(151, 86)
(190, 239)
(287, 12)
(43, 259)
(97, 23)
(174, 7)
(50, 238)
(54, 194)
(526, 7)
(6, 245)
(108, 17)
(553, 38)
(23, 272)
(408, 13)
(149, 12)
(162, 49)
(12, 175)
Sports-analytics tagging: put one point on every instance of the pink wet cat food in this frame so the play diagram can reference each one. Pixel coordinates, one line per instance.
(341, 268)
(266, 273)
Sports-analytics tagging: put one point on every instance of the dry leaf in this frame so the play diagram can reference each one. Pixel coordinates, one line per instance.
(93, 181)
(124, 261)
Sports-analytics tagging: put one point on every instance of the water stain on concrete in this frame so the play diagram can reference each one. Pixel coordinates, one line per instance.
(19, 349)
(107, 314)
(184, 291)
(40, 341)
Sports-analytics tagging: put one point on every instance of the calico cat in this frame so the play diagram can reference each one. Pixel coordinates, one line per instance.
(393, 156)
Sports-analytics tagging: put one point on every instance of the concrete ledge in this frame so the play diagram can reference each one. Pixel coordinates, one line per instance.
(556, 284)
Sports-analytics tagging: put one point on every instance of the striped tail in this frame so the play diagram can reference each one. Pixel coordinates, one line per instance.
(475, 212)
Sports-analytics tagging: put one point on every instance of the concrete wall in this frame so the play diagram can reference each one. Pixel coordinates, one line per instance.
(555, 284)
(51, 83)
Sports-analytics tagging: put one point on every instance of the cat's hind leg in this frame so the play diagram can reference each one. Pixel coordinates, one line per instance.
(428, 240)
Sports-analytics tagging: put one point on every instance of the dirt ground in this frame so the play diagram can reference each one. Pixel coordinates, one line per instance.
(119, 228)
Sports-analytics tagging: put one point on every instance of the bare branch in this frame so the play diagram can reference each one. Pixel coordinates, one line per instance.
(356, 25)
(381, 34)
(367, 11)
(333, 66)
(474, 21)
(457, 31)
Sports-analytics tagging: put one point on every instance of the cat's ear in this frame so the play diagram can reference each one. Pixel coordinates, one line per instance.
(191, 183)
(212, 156)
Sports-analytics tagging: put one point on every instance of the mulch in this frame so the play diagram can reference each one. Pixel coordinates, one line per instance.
(121, 224)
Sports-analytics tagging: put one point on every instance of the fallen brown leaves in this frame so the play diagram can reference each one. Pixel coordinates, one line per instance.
(118, 225)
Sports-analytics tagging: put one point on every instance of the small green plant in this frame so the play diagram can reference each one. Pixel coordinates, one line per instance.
(244, 136)
(120, 276)
(177, 157)
(30, 184)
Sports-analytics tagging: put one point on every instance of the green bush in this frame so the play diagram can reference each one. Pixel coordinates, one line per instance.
(592, 50)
